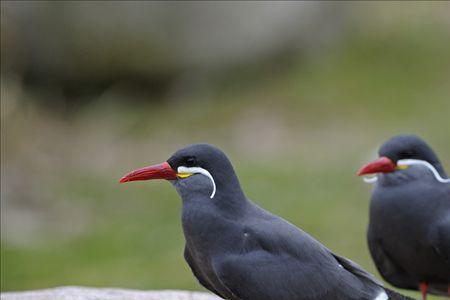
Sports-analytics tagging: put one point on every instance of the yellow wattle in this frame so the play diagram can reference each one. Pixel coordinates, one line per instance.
(402, 167)
(184, 175)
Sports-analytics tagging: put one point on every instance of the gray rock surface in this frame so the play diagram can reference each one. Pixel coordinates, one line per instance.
(87, 293)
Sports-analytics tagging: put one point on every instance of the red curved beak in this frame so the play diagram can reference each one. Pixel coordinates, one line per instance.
(161, 171)
(380, 165)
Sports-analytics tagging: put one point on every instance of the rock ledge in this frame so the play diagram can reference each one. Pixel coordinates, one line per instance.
(87, 293)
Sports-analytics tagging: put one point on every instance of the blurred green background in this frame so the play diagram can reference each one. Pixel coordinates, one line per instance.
(299, 95)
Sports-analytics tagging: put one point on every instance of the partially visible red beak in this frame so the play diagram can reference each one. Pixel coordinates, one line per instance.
(380, 165)
(161, 171)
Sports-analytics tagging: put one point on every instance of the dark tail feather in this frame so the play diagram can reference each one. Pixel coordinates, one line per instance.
(396, 296)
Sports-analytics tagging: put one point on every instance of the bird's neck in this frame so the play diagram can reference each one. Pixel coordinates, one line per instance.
(225, 200)
(234, 205)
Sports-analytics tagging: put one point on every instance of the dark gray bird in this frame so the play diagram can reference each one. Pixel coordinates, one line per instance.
(239, 251)
(409, 228)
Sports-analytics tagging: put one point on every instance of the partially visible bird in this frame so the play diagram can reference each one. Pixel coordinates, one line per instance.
(240, 251)
(409, 227)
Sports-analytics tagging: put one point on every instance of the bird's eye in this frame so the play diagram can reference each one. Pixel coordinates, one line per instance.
(191, 162)
(407, 153)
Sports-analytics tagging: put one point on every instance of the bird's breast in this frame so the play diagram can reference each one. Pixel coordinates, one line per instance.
(400, 220)
(206, 229)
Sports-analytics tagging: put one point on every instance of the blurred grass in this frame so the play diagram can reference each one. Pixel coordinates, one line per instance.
(296, 139)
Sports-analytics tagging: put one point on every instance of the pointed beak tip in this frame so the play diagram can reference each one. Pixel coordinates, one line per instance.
(160, 171)
(380, 165)
(360, 172)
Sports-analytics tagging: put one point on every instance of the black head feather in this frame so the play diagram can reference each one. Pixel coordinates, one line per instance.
(410, 147)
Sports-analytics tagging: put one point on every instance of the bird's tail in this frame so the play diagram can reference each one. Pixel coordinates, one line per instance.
(396, 296)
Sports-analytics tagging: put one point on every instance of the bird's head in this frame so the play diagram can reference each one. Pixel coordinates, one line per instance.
(198, 168)
(401, 151)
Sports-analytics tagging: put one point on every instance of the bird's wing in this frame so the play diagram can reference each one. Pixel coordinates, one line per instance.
(285, 263)
(441, 239)
(387, 268)
(265, 276)
(197, 273)
(356, 269)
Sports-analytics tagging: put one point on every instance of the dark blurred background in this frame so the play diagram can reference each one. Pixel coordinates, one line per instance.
(299, 94)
